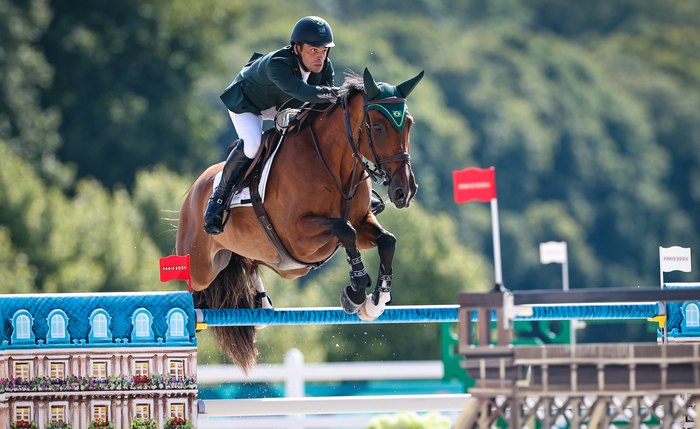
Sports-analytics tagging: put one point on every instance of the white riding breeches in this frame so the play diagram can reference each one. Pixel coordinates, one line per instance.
(249, 128)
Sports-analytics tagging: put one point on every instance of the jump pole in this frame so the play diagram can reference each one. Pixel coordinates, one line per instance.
(416, 314)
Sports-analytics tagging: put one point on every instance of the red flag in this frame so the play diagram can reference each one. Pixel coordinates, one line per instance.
(474, 184)
(175, 267)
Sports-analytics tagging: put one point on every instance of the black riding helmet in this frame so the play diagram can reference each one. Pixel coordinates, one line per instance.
(314, 31)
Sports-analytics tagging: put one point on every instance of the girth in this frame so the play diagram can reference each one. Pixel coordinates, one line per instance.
(287, 261)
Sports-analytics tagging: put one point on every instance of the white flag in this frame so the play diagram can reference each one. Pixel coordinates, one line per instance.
(553, 252)
(674, 259)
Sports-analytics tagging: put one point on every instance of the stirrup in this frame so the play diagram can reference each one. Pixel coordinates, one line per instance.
(376, 203)
(218, 219)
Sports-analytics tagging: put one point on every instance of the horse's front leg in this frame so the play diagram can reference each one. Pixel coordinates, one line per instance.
(319, 229)
(371, 234)
(353, 296)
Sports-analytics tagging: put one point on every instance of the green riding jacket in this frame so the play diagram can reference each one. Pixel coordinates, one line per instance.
(274, 79)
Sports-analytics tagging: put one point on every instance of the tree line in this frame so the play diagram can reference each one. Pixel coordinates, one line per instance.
(109, 110)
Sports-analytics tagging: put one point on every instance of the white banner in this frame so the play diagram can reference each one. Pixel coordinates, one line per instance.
(674, 259)
(553, 252)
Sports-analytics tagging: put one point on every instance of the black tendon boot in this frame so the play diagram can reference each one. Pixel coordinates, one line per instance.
(236, 165)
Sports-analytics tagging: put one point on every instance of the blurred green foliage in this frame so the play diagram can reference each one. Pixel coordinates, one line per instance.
(410, 421)
(108, 110)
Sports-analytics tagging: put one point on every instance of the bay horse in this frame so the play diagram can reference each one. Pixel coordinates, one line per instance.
(317, 198)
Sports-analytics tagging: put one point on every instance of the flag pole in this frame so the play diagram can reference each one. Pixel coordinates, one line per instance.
(565, 288)
(498, 274)
(661, 267)
(664, 333)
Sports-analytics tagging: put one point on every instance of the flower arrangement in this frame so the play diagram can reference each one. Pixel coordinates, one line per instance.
(76, 383)
(177, 423)
(18, 384)
(143, 424)
(101, 424)
(142, 379)
(24, 424)
(58, 424)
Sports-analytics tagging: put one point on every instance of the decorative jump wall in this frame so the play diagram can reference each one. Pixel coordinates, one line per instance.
(84, 359)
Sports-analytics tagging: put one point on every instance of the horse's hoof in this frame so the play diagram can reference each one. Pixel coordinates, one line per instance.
(349, 306)
(370, 311)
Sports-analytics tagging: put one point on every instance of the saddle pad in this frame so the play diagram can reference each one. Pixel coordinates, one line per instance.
(242, 197)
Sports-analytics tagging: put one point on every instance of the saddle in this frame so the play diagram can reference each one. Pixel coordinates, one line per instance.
(273, 137)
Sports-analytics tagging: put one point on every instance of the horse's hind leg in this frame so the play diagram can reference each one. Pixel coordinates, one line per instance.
(261, 299)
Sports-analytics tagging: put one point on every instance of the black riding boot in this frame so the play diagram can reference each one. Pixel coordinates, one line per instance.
(236, 165)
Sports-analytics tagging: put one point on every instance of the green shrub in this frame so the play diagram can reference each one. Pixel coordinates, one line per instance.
(411, 421)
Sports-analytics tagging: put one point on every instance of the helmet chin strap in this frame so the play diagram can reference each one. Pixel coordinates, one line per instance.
(301, 61)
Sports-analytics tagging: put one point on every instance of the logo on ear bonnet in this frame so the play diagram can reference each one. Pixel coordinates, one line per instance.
(395, 112)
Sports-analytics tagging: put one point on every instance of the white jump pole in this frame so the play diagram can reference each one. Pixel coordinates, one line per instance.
(331, 405)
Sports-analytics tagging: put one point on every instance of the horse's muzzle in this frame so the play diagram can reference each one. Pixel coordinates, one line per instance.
(401, 192)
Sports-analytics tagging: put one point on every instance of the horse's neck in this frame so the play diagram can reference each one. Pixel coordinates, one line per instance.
(342, 135)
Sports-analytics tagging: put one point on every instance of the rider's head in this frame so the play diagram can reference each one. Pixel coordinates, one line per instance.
(312, 39)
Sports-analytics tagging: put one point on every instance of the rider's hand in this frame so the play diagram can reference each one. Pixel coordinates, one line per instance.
(329, 94)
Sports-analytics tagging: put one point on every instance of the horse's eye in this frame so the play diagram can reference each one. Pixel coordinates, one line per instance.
(377, 128)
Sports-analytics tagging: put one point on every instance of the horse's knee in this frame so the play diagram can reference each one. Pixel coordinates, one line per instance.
(386, 241)
(344, 231)
(386, 246)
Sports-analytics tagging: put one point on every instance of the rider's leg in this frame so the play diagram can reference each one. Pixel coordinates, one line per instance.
(235, 167)
(249, 129)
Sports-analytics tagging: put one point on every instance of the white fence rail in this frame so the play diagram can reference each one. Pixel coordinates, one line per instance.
(295, 373)
(332, 405)
(297, 411)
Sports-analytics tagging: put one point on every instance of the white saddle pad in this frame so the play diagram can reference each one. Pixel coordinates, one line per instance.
(242, 197)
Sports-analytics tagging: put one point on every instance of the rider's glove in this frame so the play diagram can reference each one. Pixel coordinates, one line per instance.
(328, 94)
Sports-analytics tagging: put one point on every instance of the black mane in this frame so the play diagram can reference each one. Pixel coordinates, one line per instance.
(352, 84)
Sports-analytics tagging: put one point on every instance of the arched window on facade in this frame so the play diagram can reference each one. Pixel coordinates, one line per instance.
(100, 330)
(22, 324)
(24, 327)
(692, 316)
(58, 327)
(177, 325)
(142, 322)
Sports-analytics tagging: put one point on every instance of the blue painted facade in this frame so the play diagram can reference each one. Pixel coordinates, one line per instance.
(82, 359)
(683, 318)
(91, 320)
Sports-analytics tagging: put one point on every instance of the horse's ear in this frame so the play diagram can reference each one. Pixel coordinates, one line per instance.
(371, 88)
(406, 87)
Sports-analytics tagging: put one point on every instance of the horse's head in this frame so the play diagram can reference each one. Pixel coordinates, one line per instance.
(387, 145)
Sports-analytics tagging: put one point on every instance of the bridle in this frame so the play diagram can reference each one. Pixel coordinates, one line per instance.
(376, 172)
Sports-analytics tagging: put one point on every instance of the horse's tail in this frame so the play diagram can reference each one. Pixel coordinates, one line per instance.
(232, 288)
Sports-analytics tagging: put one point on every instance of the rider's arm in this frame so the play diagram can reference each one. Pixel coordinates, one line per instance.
(283, 76)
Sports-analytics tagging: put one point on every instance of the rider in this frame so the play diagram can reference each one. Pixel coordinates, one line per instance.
(299, 72)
